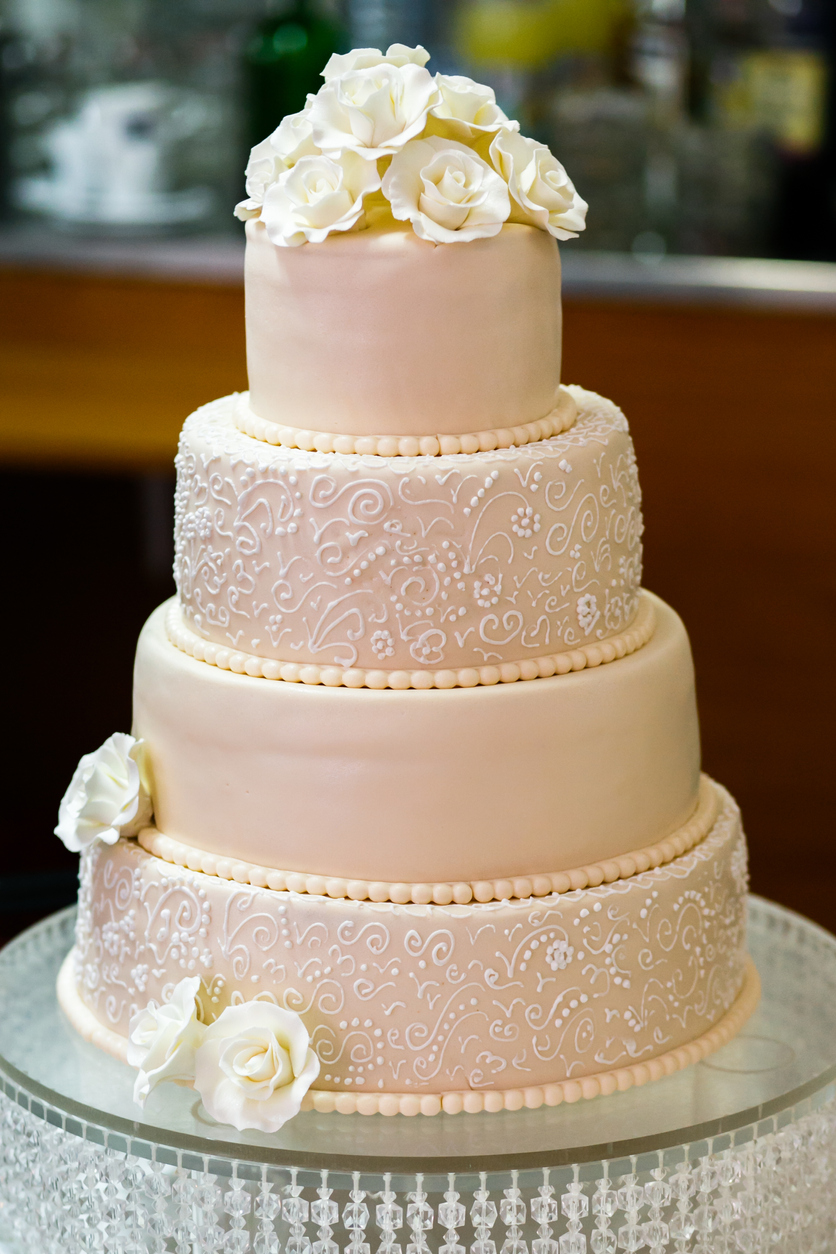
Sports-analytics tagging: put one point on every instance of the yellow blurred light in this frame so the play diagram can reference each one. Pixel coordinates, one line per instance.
(530, 33)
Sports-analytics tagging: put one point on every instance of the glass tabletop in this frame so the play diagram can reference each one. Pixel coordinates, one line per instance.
(785, 1054)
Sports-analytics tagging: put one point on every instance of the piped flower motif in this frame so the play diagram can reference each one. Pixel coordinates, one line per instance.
(541, 191)
(108, 797)
(487, 590)
(163, 1040)
(254, 1066)
(383, 644)
(524, 522)
(588, 612)
(448, 193)
(559, 954)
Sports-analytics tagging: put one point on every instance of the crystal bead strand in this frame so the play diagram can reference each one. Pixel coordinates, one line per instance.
(237, 1203)
(544, 1212)
(183, 1231)
(631, 1200)
(682, 1188)
(419, 1218)
(451, 1215)
(604, 1206)
(267, 1209)
(727, 1208)
(158, 1221)
(208, 1199)
(705, 1216)
(483, 1218)
(325, 1213)
(574, 1205)
(746, 1237)
(355, 1218)
(389, 1218)
(512, 1212)
(658, 1195)
(113, 1194)
(295, 1211)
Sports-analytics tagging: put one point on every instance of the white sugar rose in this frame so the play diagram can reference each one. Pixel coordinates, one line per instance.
(367, 58)
(280, 151)
(318, 195)
(108, 796)
(163, 1039)
(446, 191)
(466, 109)
(254, 1066)
(372, 111)
(541, 190)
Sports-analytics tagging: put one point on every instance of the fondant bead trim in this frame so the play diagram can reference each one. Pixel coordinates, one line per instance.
(586, 655)
(561, 418)
(468, 1101)
(679, 842)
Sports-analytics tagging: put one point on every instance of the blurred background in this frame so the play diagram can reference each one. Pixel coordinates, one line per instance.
(702, 297)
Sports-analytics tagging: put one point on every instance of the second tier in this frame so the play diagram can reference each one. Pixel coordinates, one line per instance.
(363, 562)
(463, 785)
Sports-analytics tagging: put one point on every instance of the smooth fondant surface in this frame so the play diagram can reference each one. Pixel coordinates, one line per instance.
(378, 332)
(404, 563)
(431, 999)
(465, 784)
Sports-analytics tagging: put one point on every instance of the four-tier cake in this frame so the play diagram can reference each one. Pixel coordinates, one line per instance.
(411, 818)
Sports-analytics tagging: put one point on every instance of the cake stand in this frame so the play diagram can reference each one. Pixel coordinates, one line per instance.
(735, 1154)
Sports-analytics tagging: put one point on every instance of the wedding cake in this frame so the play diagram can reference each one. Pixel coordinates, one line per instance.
(411, 819)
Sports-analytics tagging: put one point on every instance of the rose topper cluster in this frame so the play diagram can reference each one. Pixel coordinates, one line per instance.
(436, 151)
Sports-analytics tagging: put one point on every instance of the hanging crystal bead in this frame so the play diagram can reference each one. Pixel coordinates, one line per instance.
(325, 1213)
(355, 1218)
(389, 1218)
(451, 1215)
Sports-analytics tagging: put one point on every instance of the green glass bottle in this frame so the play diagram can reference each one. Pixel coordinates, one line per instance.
(283, 61)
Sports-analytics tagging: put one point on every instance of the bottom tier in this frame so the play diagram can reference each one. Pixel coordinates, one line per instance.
(422, 1007)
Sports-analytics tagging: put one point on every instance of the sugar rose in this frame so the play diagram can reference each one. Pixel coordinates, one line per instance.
(367, 58)
(466, 109)
(163, 1039)
(541, 190)
(291, 140)
(318, 195)
(254, 1066)
(372, 111)
(108, 796)
(448, 193)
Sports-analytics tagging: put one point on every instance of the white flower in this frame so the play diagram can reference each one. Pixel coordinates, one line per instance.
(487, 591)
(467, 108)
(524, 522)
(107, 797)
(446, 191)
(372, 111)
(163, 1039)
(318, 195)
(254, 1066)
(541, 189)
(588, 612)
(268, 160)
(559, 955)
(367, 58)
(382, 644)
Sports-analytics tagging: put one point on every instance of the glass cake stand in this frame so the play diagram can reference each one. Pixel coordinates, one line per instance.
(737, 1153)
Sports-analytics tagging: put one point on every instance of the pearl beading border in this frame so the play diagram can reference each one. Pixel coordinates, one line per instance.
(461, 893)
(582, 658)
(561, 418)
(468, 1101)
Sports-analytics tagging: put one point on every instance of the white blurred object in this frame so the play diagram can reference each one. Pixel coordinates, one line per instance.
(112, 162)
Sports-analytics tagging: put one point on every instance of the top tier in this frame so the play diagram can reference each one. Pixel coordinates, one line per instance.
(402, 273)
(378, 332)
